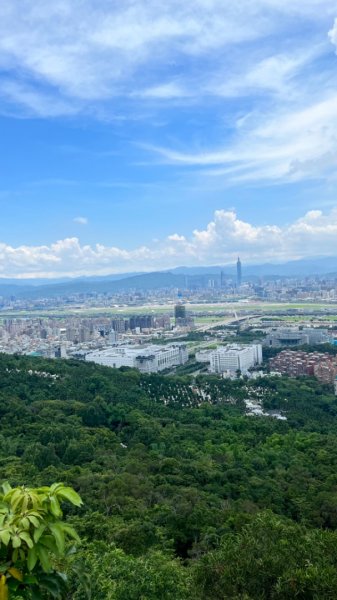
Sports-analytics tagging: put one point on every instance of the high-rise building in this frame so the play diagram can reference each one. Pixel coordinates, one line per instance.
(238, 272)
(181, 318)
(179, 311)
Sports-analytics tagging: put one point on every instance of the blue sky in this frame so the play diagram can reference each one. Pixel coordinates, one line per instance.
(147, 134)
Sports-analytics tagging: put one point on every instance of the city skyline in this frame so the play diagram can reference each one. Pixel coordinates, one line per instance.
(144, 137)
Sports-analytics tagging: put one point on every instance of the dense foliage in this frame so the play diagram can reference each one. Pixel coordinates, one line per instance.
(33, 538)
(185, 496)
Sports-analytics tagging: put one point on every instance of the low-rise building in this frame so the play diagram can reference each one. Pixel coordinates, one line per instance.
(293, 336)
(320, 364)
(148, 359)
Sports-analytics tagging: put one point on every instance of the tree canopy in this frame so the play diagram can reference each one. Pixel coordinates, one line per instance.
(184, 494)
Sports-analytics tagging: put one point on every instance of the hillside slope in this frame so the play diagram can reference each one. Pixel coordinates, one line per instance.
(183, 498)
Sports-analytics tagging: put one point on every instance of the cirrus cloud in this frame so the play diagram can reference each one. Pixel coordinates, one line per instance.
(81, 220)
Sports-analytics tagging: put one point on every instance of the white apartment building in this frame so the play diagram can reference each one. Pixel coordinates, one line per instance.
(148, 359)
(235, 357)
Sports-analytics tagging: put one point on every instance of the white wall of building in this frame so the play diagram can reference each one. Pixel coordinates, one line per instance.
(235, 357)
(148, 359)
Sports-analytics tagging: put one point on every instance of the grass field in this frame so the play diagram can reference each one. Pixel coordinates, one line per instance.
(270, 308)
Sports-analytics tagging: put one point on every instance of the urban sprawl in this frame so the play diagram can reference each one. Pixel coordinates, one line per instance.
(228, 327)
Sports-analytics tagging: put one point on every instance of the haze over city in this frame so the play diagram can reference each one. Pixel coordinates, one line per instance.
(142, 136)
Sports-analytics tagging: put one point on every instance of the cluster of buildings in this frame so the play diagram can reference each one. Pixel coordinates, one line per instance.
(295, 363)
(216, 286)
(54, 336)
(147, 359)
(139, 323)
(229, 361)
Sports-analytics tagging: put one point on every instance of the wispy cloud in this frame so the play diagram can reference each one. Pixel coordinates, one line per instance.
(219, 242)
(81, 53)
(266, 67)
(165, 91)
(81, 220)
(283, 146)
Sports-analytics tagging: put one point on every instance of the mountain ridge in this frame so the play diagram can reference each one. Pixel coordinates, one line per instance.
(178, 277)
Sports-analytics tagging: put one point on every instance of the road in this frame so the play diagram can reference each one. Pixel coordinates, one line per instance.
(225, 321)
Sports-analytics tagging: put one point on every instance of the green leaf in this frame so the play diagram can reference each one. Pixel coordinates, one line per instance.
(34, 520)
(26, 538)
(25, 523)
(30, 579)
(16, 541)
(54, 487)
(15, 498)
(49, 542)
(5, 536)
(58, 533)
(55, 507)
(32, 558)
(69, 494)
(71, 532)
(6, 488)
(44, 558)
(38, 532)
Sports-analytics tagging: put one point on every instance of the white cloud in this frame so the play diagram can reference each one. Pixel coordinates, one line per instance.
(81, 220)
(165, 91)
(219, 242)
(87, 52)
(333, 34)
(65, 58)
(175, 237)
(276, 146)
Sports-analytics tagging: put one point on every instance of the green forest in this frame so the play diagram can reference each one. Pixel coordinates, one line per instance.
(185, 496)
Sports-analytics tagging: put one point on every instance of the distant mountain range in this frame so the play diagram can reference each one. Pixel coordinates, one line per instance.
(295, 268)
(180, 277)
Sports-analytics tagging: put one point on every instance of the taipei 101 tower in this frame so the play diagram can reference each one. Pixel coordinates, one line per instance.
(238, 272)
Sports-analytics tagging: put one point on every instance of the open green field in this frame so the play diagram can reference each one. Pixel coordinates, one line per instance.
(304, 318)
(270, 308)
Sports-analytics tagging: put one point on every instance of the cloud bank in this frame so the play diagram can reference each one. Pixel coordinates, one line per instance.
(224, 237)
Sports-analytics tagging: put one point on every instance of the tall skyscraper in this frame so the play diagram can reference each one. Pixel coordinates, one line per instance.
(238, 272)
(179, 312)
